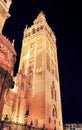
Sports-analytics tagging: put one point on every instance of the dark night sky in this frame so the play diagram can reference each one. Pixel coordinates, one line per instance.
(64, 17)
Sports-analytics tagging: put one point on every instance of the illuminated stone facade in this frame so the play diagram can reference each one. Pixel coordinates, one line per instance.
(4, 9)
(7, 59)
(7, 54)
(38, 78)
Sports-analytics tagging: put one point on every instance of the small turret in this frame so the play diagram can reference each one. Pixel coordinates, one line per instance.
(13, 42)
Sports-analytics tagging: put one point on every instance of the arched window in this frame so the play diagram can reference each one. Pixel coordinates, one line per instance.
(27, 112)
(26, 35)
(49, 120)
(37, 29)
(29, 34)
(41, 27)
(33, 31)
(54, 111)
(55, 96)
(52, 90)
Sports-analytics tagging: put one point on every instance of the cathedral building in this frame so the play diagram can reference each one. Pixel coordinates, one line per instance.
(38, 96)
(7, 57)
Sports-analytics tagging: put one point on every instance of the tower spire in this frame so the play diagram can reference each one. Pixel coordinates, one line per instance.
(13, 42)
(40, 18)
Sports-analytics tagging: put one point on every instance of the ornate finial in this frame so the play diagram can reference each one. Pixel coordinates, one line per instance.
(41, 12)
(26, 26)
(13, 42)
(41, 15)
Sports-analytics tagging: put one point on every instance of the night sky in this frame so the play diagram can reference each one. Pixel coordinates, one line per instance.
(64, 17)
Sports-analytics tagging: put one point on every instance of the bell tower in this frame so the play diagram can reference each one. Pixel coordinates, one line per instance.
(39, 58)
(4, 9)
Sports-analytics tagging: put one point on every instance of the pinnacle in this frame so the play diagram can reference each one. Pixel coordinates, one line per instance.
(40, 18)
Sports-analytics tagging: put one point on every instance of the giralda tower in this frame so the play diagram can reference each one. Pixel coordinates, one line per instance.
(39, 64)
